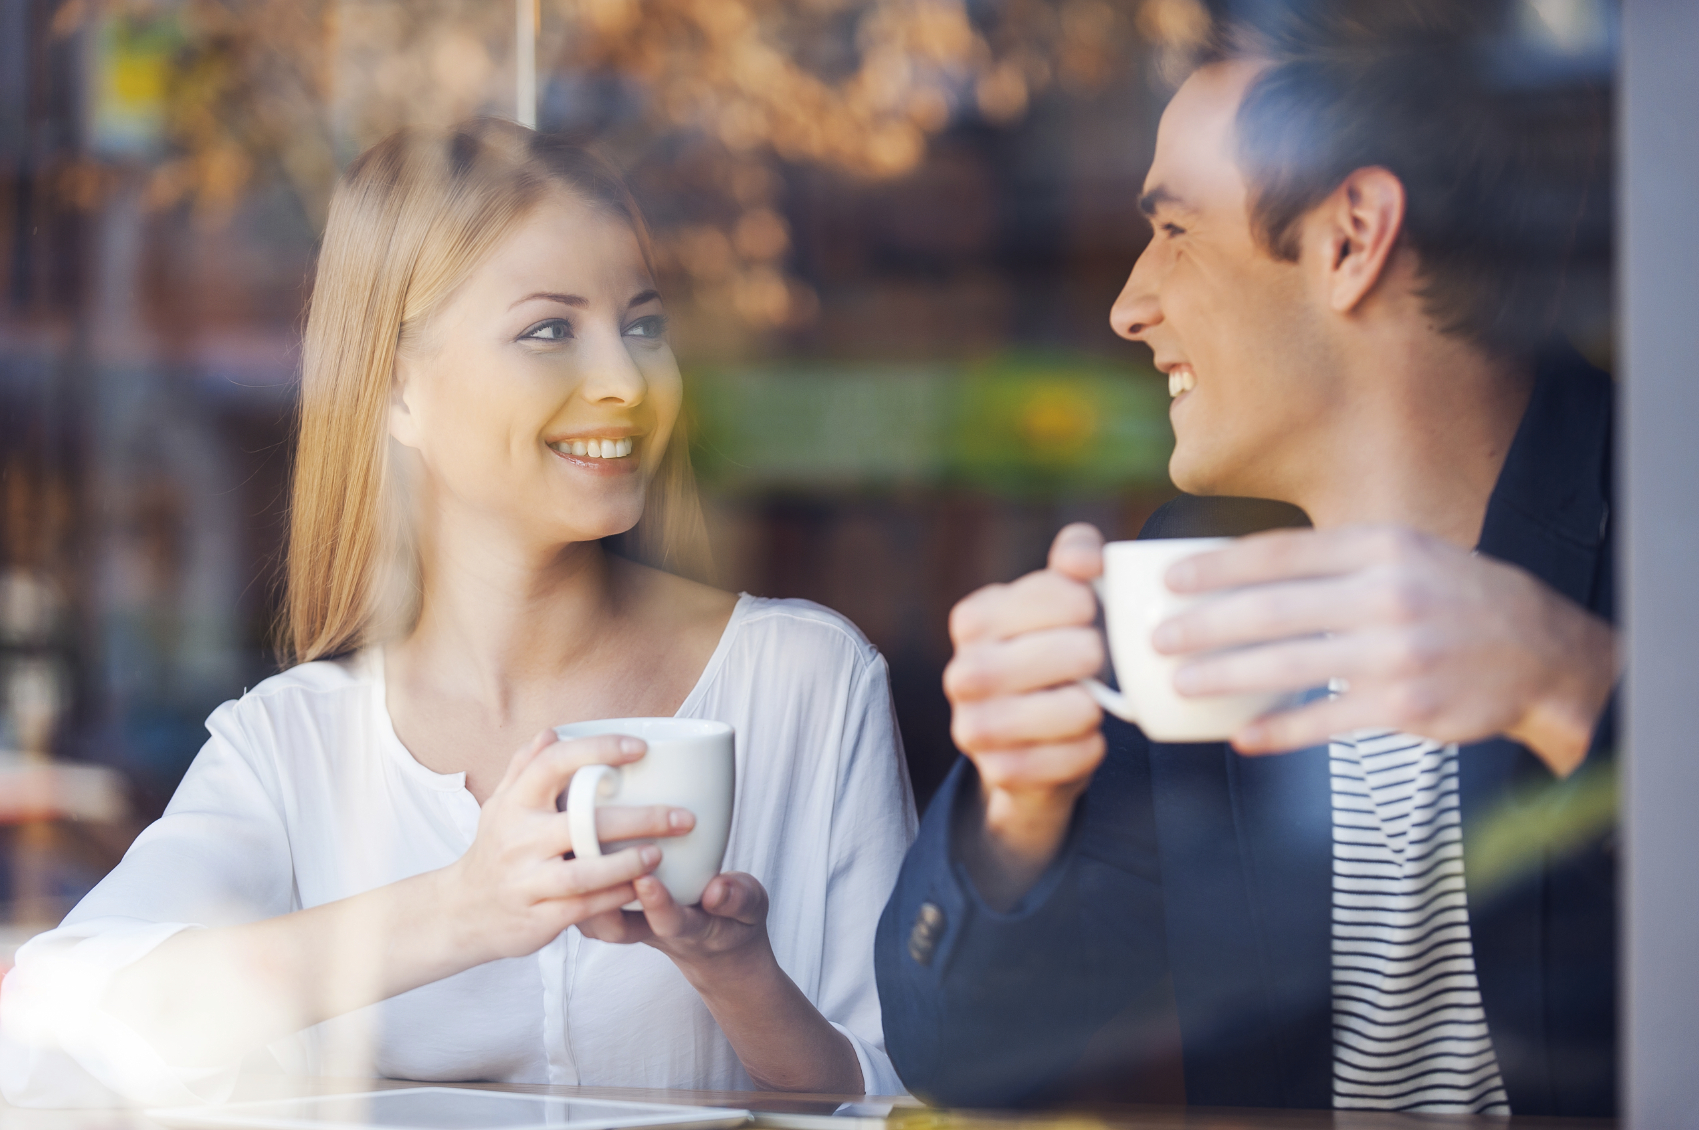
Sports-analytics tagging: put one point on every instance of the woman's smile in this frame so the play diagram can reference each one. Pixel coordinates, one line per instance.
(602, 454)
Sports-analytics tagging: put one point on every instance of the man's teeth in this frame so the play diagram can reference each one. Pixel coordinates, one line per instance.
(1181, 379)
(595, 448)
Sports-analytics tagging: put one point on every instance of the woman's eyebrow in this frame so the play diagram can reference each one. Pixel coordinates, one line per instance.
(563, 299)
(645, 296)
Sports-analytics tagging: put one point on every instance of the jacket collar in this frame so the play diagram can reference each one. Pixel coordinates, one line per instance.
(1550, 510)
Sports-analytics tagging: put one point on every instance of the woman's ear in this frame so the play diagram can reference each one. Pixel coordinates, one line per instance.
(1358, 228)
(403, 422)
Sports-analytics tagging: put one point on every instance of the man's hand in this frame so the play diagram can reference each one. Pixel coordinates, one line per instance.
(1019, 714)
(1421, 635)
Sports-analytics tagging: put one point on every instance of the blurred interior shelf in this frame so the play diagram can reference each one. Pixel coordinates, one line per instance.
(32, 790)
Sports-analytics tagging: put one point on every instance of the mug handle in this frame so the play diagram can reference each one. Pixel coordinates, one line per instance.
(1113, 701)
(590, 784)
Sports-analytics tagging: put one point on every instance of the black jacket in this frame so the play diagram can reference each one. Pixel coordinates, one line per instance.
(1197, 883)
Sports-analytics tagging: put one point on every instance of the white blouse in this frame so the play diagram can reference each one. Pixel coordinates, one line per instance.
(304, 795)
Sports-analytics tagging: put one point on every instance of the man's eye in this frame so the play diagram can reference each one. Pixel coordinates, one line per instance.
(555, 329)
(653, 326)
(1173, 229)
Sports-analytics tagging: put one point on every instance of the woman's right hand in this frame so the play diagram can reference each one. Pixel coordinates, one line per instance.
(513, 892)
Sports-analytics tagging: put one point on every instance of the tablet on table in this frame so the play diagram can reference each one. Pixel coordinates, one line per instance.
(445, 1108)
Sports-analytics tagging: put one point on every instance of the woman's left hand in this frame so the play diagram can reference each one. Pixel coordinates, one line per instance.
(730, 924)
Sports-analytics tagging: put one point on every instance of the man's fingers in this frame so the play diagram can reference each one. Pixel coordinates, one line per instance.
(540, 782)
(1041, 766)
(1011, 721)
(737, 896)
(1267, 612)
(1031, 662)
(1041, 600)
(1283, 555)
(1077, 552)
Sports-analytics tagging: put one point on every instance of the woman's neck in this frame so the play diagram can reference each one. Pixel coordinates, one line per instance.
(497, 619)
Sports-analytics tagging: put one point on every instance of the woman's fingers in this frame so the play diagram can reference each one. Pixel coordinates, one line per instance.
(577, 909)
(666, 917)
(539, 783)
(524, 755)
(573, 877)
(616, 824)
(737, 896)
(618, 927)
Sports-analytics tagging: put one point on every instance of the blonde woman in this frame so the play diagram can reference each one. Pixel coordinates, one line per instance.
(358, 874)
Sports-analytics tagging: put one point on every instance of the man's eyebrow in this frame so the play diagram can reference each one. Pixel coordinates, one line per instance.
(645, 296)
(1156, 198)
(563, 299)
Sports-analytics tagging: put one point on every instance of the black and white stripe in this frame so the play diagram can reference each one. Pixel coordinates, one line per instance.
(1408, 1029)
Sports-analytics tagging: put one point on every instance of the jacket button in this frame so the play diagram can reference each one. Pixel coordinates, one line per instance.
(928, 928)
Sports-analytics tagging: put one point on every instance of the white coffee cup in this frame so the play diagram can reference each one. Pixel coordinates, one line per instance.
(1136, 598)
(690, 764)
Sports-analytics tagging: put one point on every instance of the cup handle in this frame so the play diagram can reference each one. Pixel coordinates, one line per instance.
(589, 785)
(1114, 702)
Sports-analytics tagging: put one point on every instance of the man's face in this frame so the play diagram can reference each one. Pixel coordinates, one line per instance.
(1237, 331)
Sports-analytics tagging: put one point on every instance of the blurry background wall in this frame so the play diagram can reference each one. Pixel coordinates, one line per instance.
(889, 230)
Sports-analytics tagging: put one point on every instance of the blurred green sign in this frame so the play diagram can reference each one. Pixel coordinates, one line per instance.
(1018, 425)
(133, 60)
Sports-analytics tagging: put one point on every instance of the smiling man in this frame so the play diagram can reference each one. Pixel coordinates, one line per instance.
(1390, 896)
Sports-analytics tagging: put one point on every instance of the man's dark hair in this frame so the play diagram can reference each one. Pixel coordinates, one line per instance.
(1495, 168)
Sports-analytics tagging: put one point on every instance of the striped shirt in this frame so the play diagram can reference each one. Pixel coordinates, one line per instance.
(1408, 1029)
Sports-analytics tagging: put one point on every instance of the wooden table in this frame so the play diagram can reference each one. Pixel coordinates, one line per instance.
(906, 1114)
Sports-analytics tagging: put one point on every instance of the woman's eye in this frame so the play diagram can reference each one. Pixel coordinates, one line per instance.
(555, 329)
(1173, 229)
(653, 326)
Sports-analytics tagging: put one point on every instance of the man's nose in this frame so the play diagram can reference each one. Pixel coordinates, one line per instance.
(1136, 308)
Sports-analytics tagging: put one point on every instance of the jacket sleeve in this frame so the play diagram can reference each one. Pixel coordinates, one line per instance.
(984, 1008)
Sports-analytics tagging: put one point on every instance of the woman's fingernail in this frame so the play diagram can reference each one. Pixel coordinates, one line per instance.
(681, 818)
(1165, 636)
(632, 745)
(649, 854)
(1180, 575)
(1187, 680)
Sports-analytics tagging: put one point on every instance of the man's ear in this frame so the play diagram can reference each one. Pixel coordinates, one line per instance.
(1358, 228)
(403, 422)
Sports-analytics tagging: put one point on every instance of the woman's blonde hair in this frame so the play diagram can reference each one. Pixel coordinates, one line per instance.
(410, 219)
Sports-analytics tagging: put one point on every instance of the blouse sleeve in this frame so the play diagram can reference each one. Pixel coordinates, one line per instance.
(873, 822)
(218, 856)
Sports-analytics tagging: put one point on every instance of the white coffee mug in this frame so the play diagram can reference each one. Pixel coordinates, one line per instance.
(1136, 598)
(691, 763)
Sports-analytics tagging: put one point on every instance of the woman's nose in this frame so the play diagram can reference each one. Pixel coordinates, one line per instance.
(1136, 308)
(613, 377)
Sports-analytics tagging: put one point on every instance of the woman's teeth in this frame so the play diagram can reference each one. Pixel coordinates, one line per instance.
(1181, 379)
(595, 448)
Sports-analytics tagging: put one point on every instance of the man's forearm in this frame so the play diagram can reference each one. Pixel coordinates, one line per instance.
(1007, 839)
(1559, 726)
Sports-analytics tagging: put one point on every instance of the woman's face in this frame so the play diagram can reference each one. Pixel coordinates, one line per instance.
(542, 394)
